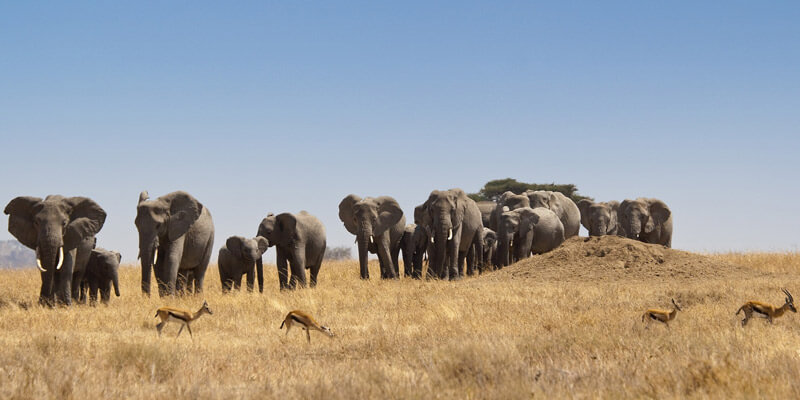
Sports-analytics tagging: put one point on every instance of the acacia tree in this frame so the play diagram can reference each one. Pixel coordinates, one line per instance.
(493, 189)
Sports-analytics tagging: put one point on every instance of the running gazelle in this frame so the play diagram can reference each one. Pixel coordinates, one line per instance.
(664, 316)
(305, 321)
(765, 310)
(183, 317)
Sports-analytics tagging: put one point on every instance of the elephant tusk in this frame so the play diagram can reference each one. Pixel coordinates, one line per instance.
(155, 256)
(450, 236)
(432, 240)
(39, 262)
(60, 257)
(371, 240)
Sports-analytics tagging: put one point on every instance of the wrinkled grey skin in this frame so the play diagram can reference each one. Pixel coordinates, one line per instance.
(49, 225)
(506, 202)
(238, 257)
(489, 239)
(407, 247)
(299, 241)
(102, 271)
(566, 209)
(454, 221)
(528, 230)
(422, 244)
(600, 219)
(647, 220)
(487, 210)
(181, 229)
(378, 224)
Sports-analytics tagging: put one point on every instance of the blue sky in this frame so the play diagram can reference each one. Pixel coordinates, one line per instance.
(260, 106)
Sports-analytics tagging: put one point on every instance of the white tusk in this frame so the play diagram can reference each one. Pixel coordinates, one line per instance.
(450, 237)
(371, 240)
(155, 257)
(60, 257)
(432, 239)
(39, 262)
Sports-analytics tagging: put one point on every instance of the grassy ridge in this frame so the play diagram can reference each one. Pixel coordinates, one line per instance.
(478, 338)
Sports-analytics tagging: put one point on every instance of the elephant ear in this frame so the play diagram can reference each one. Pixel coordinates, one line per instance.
(389, 213)
(119, 257)
(614, 224)
(20, 213)
(263, 244)
(659, 213)
(184, 210)
(460, 204)
(86, 218)
(144, 196)
(346, 213)
(584, 206)
(286, 228)
(234, 246)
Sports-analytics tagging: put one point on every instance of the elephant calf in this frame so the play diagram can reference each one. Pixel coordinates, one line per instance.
(102, 270)
(239, 257)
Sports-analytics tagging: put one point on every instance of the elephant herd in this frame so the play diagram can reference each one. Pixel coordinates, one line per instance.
(176, 235)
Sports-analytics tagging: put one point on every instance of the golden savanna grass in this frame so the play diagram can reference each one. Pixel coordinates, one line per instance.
(495, 336)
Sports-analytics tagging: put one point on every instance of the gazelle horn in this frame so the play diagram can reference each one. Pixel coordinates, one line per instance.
(60, 257)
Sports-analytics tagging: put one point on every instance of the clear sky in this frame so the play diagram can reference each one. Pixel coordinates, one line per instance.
(283, 106)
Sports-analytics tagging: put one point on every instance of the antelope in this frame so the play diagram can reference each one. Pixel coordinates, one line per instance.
(183, 317)
(664, 316)
(306, 322)
(765, 310)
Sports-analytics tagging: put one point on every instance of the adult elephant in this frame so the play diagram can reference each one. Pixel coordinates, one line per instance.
(176, 238)
(563, 206)
(102, 272)
(378, 224)
(61, 230)
(487, 209)
(600, 219)
(237, 258)
(300, 241)
(528, 230)
(506, 202)
(647, 220)
(454, 222)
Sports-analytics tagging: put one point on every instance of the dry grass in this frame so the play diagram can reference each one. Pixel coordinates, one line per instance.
(478, 338)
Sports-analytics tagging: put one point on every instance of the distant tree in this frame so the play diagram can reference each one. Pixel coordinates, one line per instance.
(338, 253)
(493, 189)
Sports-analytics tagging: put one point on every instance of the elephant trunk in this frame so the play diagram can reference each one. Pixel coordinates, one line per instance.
(504, 248)
(362, 256)
(49, 259)
(260, 274)
(115, 281)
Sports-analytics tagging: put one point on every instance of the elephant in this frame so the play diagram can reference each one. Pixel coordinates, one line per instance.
(528, 230)
(454, 223)
(378, 224)
(180, 229)
(489, 239)
(299, 241)
(600, 218)
(61, 230)
(487, 209)
(506, 202)
(407, 247)
(563, 206)
(238, 257)
(646, 220)
(102, 271)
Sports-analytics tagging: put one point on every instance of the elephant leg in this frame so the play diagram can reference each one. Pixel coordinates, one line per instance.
(462, 257)
(251, 278)
(237, 282)
(314, 271)
(471, 261)
(200, 270)
(105, 293)
(180, 283)
(408, 268)
(280, 259)
(64, 279)
(454, 256)
(94, 287)
(387, 269)
(298, 266)
(166, 287)
(396, 259)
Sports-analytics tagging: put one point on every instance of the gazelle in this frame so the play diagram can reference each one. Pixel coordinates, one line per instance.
(765, 310)
(183, 317)
(306, 322)
(664, 316)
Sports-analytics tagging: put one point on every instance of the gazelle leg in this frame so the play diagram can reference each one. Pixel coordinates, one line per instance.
(159, 326)
(189, 328)
(308, 335)
(179, 331)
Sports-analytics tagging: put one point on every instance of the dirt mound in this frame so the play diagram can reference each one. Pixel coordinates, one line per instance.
(615, 258)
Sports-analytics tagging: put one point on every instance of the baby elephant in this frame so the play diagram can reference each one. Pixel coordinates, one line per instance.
(238, 257)
(102, 271)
